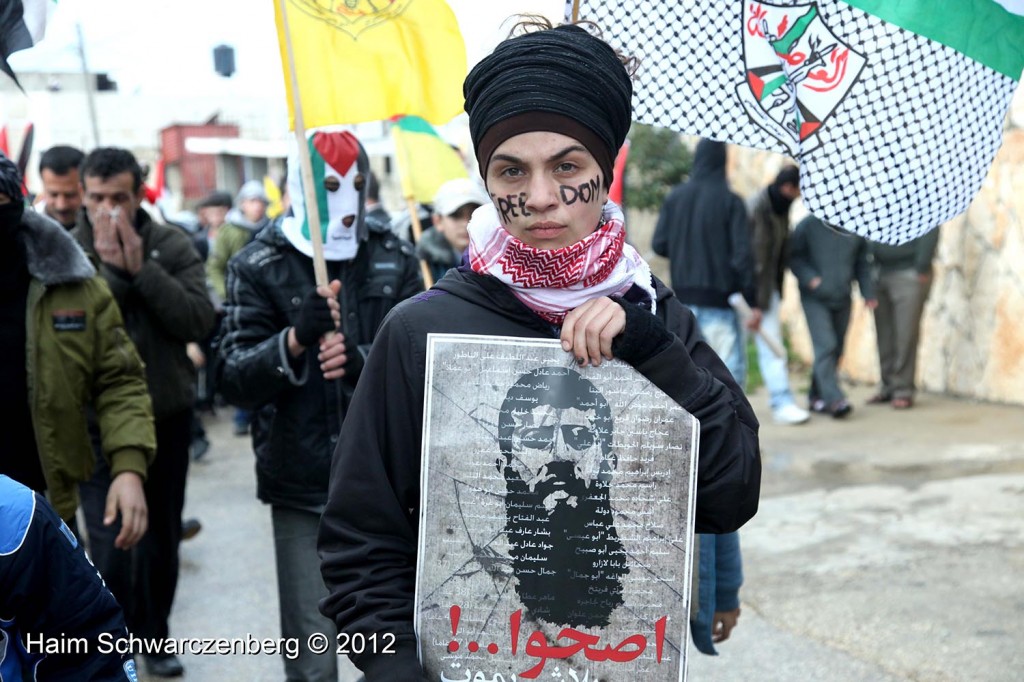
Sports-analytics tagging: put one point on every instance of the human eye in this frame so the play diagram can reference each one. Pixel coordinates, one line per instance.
(512, 172)
(566, 167)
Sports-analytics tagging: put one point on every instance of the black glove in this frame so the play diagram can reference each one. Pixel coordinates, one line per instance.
(314, 319)
(354, 363)
(644, 337)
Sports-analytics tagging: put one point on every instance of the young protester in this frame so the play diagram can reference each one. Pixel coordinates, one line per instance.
(548, 110)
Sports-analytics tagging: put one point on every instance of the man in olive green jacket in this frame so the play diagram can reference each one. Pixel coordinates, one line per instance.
(75, 353)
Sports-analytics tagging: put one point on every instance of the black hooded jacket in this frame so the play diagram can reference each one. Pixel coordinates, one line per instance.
(299, 412)
(368, 533)
(704, 232)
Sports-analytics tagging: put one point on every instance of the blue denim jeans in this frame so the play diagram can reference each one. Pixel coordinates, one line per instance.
(722, 330)
(774, 370)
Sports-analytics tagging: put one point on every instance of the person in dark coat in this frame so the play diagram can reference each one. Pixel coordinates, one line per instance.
(903, 278)
(546, 154)
(278, 361)
(702, 229)
(58, 621)
(826, 262)
(157, 279)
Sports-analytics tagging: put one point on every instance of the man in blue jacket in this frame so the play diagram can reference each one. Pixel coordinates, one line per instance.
(58, 621)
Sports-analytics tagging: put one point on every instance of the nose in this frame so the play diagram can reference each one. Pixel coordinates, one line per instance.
(542, 194)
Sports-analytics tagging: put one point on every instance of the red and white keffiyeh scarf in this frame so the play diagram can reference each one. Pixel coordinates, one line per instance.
(551, 282)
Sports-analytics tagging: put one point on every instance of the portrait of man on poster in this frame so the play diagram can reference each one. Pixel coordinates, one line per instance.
(555, 436)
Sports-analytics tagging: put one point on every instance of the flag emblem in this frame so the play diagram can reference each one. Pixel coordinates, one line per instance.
(353, 16)
(797, 71)
(894, 110)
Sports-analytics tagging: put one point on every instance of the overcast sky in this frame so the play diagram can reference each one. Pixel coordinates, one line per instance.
(147, 44)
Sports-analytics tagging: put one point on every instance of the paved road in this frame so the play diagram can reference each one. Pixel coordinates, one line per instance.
(888, 547)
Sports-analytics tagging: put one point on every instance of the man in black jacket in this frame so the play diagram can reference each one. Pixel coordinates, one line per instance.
(60, 622)
(277, 320)
(703, 230)
(157, 278)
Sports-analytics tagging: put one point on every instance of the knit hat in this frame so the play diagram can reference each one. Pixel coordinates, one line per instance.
(561, 80)
(217, 198)
(253, 189)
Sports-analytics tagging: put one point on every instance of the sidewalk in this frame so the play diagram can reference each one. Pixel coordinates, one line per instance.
(888, 547)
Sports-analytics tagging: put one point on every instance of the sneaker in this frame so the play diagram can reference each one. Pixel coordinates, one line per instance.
(790, 415)
(840, 409)
(818, 405)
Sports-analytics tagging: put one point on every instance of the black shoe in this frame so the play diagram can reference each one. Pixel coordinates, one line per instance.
(190, 528)
(840, 409)
(164, 666)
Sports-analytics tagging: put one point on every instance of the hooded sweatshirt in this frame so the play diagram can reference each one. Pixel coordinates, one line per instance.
(235, 233)
(703, 230)
(368, 532)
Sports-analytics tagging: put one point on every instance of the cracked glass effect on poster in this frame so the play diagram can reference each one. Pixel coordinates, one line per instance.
(556, 517)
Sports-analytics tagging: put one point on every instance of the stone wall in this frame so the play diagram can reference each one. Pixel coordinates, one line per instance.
(972, 335)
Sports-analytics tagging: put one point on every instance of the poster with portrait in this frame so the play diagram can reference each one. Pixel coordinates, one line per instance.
(556, 517)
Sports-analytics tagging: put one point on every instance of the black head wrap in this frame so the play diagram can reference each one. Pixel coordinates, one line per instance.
(10, 179)
(562, 73)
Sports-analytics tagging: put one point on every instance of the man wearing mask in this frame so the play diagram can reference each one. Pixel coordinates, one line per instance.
(292, 352)
(769, 223)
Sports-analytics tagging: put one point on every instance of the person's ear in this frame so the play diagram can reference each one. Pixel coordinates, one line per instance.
(436, 220)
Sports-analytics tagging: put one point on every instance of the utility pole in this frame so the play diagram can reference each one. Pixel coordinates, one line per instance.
(88, 87)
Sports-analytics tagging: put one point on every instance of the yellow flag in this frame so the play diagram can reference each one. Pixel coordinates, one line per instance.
(425, 160)
(368, 60)
(274, 208)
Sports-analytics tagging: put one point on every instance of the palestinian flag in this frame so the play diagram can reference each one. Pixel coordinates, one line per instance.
(894, 110)
(22, 25)
(425, 160)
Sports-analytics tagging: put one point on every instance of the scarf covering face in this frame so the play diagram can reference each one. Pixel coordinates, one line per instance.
(551, 282)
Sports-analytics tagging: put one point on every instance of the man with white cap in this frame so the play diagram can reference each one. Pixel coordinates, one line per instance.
(442, 245)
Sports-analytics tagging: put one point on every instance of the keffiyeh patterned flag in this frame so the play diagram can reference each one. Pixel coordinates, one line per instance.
(893, 109)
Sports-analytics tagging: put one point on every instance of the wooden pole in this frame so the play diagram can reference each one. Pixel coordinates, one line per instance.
(417, 232)
(305, 164)
(575, 11)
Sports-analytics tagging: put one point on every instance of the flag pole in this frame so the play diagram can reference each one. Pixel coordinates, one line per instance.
(417, 232)
(575, 11)
(414, 211)
(305, 164)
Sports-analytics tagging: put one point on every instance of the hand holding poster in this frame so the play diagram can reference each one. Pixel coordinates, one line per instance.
(557, 517)
(893, 109)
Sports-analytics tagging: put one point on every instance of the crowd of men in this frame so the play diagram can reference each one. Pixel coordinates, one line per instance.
(124, 308)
